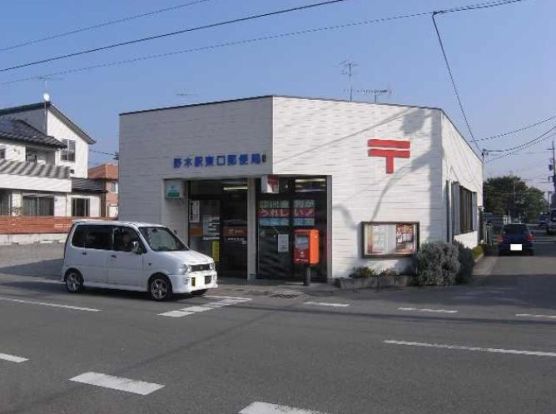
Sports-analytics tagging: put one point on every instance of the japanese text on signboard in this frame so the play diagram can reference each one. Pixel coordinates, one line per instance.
(220, 160)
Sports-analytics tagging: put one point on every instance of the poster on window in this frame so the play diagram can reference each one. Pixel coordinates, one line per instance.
(211, 227)
(389, 239)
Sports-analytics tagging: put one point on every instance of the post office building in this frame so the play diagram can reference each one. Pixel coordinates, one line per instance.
(265, 185)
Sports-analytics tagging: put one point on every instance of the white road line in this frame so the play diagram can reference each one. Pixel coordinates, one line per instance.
(227, 301)
(266, 408)
(529, 315)
(117, 383)
(52, 305)
(334, 305)
(175, 314)
(234, 298)
(472, 348)
(12, 358)
(428, 310)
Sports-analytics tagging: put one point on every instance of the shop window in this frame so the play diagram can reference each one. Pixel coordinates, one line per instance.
(68, 153)
(38, 205)
(80, 207)
(390, 239)
(305, 185)
(466, 210)
(2, 153)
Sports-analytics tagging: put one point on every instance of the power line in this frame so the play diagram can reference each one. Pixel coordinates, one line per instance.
(247, 42)
(452, 80)
(514, 150)
(174, 33)
(518, 130)
(100, 25)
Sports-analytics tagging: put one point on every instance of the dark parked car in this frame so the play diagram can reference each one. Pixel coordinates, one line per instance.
(515, 238)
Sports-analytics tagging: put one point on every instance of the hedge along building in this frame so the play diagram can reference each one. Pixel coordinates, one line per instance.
(236, 179)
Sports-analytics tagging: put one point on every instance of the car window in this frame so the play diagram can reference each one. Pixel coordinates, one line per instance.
(124, 238)
(515, 228)
(93, 237)
(161, 239)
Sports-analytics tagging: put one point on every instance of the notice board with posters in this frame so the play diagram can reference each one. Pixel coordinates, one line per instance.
(390, 239)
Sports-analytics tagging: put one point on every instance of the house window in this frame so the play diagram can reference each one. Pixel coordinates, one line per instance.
(113, 186)
(68, 153)
(466, 210)
(2, 153)
(38, 205)
(80, 207)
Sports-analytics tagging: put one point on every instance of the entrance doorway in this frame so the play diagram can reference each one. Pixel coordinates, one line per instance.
(218, 223)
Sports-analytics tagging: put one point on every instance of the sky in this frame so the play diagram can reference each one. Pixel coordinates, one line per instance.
(502, 59)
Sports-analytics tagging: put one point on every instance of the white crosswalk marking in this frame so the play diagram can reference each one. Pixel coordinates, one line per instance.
(191, 310)
(266, 408)
(12, 358)
(332, 305)
(117, 383)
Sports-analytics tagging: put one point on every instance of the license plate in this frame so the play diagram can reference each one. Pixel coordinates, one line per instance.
(516, 247)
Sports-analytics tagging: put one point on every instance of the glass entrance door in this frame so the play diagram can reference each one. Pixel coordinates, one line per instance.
(218, 223)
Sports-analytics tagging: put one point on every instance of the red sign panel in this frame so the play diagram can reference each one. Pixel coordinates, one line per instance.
(389, 149)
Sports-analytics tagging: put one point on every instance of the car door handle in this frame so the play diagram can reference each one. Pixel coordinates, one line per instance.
(113, 255)
(84, 253)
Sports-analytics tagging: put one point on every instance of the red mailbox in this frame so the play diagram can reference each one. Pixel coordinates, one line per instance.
(306, 246)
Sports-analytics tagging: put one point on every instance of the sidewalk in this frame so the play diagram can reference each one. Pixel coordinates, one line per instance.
(273, 288)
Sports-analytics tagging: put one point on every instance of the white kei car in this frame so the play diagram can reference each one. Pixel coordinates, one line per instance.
(134, 256)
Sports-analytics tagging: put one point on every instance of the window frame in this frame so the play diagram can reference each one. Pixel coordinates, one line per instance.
(466, 211)
(68, 154)
(87, 206)
(37, 208)
(91, 226)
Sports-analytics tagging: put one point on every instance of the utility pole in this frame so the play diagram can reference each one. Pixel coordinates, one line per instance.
(552, 167)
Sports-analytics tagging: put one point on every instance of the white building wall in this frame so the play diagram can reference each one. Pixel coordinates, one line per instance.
(316, 137)
(462, 165)
(61, 131)
(14, 152)
(149, 142)
(25, 182)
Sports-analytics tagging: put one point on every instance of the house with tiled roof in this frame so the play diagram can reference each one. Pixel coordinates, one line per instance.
(44, 158)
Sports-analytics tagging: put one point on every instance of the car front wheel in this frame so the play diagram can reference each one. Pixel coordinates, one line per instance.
(160, 288)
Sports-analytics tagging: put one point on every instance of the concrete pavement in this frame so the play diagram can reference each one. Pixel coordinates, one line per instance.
(486, 348)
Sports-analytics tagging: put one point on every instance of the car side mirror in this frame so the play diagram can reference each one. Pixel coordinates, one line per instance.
(135, 247)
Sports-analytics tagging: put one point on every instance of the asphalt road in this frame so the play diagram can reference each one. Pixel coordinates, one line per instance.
(486, 348)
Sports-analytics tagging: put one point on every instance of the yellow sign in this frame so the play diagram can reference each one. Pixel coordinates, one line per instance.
(216, 250)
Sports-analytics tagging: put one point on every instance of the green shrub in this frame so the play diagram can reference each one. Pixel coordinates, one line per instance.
(437, 264)
(467, 262)
(362, 272)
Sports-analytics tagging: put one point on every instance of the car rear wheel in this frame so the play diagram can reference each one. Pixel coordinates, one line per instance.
(160, 288)
(74, 281)
(199, 292)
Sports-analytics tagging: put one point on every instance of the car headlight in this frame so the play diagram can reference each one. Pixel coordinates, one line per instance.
(212, 266)
(183, 269)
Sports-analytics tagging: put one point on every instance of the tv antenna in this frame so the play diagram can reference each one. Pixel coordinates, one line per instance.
(347, 70)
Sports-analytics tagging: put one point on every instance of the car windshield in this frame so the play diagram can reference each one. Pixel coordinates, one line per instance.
(160, 239)
(515, 229)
